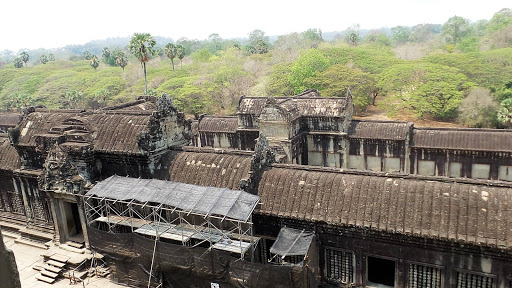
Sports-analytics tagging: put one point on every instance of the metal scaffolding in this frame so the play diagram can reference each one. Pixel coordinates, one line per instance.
(217, 218)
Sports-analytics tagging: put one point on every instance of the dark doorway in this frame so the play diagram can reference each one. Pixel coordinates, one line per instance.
(76, 218)
(381, 272)
(72, 218)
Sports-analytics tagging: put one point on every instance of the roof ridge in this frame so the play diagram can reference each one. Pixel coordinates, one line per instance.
(496, 183)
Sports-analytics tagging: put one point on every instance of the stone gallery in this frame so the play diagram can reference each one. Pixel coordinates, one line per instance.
(290, 192)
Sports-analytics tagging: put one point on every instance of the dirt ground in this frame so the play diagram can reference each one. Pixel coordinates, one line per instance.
(374, 113)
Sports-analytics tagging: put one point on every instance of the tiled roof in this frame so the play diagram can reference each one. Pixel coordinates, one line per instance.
(10, 119)
(386, 130)
(471, 213)
(209, 169)
(464, 139)
(227, 124)
(9, 158)
(111, 132)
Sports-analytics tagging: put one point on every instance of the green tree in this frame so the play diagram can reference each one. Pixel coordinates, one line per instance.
(87, 55)
(100, 98)
(456, 29)
(400, 34)
(214, 43)
(505, 113)
(352, 35)
(336, 79)
(24, 57)
(258, 43)
(261, 47)
(105, 52)
(180, 52)
(307, 65)
(279, 82)
(142, 46)
(469, 44)
(424, 89)
(257, 35)
(312, 37)
(72, 98)
(108, 57)
(201, 56)
(94, 62)
(500, 20)
(121, 59)
(170, 51)
(424, 32)
(51, 57)
(43, 59)
(504, 92)
(21, 100)
(18, 62)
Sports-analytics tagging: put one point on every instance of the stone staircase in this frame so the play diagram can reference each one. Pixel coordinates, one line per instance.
(52, 268)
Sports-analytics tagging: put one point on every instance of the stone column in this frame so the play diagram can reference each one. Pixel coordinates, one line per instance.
(8, 271)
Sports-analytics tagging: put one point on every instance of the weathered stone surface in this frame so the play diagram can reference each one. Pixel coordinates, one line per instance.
(9, 275)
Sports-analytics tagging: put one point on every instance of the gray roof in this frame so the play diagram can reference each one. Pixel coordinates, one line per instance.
(385, 130)
(234, 204)
(291, 242)
(478, 214)
(498, 140)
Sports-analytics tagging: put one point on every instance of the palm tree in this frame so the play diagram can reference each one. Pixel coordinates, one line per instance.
(105, 52)
(51, 57)
(18, 62)
(180, 52)
(142, 46)
(94, 62)
(24, 57)
(43, 59)
(87, 55)
(170, 50)
(121, 59)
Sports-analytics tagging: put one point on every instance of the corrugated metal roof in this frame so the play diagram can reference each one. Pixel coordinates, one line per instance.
(209, 169)
(386, 130)
(464, 139)
(235, 204)
(226, 124)
(476, 214)
(9, 158)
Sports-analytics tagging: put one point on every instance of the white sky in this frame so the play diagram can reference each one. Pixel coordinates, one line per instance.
(56, 23)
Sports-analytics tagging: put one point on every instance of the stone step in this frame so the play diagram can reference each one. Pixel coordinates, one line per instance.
(38, 267)
(45, 279)
(56, 263)
(75, 244)
(59, 258)
(49, 274)
(39, 235)
(8, 225)
(72, 249)
(52, 268)
(11, 234)
(31, 243)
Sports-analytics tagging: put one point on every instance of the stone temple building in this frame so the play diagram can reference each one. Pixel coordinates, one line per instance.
(290, 192)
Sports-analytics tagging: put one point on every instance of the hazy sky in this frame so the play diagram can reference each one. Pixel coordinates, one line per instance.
(55, 23)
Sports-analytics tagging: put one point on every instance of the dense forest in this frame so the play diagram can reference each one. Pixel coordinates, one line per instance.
(459, 71)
